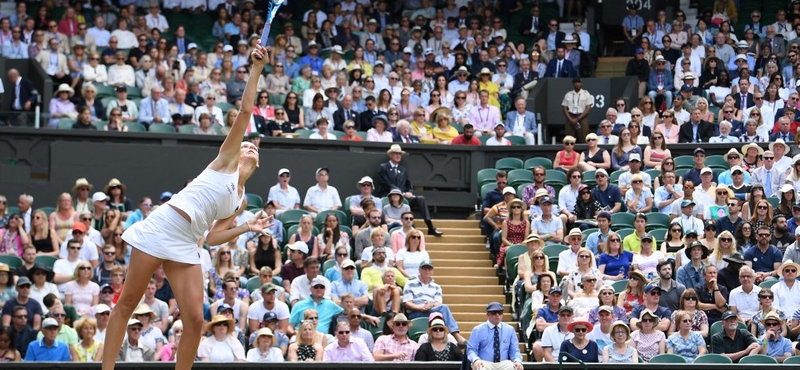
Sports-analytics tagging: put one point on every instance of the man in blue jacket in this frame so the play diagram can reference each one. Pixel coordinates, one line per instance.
(660, 84)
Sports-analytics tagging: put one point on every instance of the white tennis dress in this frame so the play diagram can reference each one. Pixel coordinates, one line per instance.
(165, 234)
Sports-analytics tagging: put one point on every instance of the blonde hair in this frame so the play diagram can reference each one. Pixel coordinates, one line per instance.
(716, 254)
(78, 268)
(85, 321)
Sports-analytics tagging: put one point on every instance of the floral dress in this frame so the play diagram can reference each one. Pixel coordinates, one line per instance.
(516, 235)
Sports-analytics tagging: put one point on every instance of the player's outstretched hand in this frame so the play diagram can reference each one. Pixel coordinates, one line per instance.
(259, 55)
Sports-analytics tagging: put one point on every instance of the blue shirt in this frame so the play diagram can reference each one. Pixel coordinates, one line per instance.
(615, 265)
(315, 63)
(548, 316)
(326, 310)
(725, 178)
(356, 287)
(39, 351)
(691, 277)
(779, 347)
(763, 262)
(609, 197)
(662, 194)
(633, 22)
(596, 238)
(792, 225)
(481, 343)
(686, 348)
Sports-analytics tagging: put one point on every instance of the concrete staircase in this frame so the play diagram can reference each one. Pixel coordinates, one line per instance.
(463, 269)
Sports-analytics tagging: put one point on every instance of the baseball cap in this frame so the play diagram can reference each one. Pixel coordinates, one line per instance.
(509, 190)
(319, 280)
(650, 287)
(192, 46)
(687, 203)
(166, 195)
(284, 170)
(601, 171)
(99, 196)
(554, 289)
(299, 246)
(728, 315)
(639, 51)
(546, 200)
(23, 280)
(647, 236)
(102, 308)
(270, 316)
(687, 87)
(635, 157)
(79, 226)
(268, 287)
(699, 150)
(706, 170)
(348, 263)
(49, 322)
(227, 48)
(224, 307)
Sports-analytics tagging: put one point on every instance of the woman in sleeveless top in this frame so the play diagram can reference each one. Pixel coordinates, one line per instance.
(621, 352)
(656, 151)
(567, 158)
(169, 236)
(41, 237)
(7, 352)
(306, 348)
(306, 235)
(514, 230)
(673, 240)
(63, 218)
(594, 157)
(264, 253)
(89, 349)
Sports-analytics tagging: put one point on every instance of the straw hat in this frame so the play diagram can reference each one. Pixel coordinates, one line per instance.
(788, 263)
(437, 323)
(112, 184)
(534, 238)
(619, 323)
(65, 88)
(218, 319)
(144, 309)
(746, 147)
(81, 182)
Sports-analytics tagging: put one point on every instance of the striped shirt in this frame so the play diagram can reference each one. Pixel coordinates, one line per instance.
(418, 292)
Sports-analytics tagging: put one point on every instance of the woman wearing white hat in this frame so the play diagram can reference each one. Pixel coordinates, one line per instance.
(61, 107)
(168, 237)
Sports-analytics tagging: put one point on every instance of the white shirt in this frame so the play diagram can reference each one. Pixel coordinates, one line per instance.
(257, 310)
(101, 36)
(322, 199)
(158, 21)
(552, 337)
(88, 250)
(745, 303)
(301, 288)
(786, 299)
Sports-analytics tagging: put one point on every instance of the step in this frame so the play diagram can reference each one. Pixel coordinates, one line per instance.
(466, 271)
(478, 305)
(457, 299)
(452, 262)
(448, 223)
(452, 245)
(448, 290)
(470, 280)
(458, 231)
(475, 316)
(454, 238)
(482, 255)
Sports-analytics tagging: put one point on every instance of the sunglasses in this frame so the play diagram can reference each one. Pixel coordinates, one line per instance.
(401, 324)
(580, 330)
(690, 298)
(766, 297)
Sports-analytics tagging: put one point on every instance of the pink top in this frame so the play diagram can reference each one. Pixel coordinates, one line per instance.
(565, 161)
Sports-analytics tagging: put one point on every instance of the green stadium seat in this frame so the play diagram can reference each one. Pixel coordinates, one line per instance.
(625, 232)
(539, 161)
(767, 284)
(553, 177)
(794, 360)
(101, 125)
(667, 358)
(516, 140)
(418, 327)
(657, 220)
(46, 261)
(327, 265)
(621, 220)
(254, 201)
(684, 161)
(757, 359)
(252, 284)
(588, 178)
(105, 91)
(486, 176)
(508, 164)
(713, 358)
(320, 221)
(66, 124)
(12, 261)
(619, 285)
(162, 128)
(552, 250)
(517, 177)
(303, 133)
(135, 127)
(47, 210)
(512, 259)
(291, 217)
(225, 107)
(186, 129)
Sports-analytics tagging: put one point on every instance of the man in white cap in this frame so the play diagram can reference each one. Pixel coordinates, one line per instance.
(498, 139)
(460, 84)
(284, 195)
(48, 348)
(317, 300)
(335, 60)
(392, 175)
(634, 167)
(133, 350)
(302, 286)
(782, 161)
(606, 193)
(102, 314)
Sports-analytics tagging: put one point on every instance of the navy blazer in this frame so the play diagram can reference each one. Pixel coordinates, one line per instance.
(414, 139)
(567, 70)
(389, 180)
(777, 136)
(26, 93)
(705, 131)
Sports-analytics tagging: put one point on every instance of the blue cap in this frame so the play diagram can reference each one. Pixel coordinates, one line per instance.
(270, 316)
(651, 286)
(639, 51)
(555, 289)
(166, 195)
(494, 306)
(687, 87)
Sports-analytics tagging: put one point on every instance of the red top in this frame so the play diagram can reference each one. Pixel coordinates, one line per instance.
(460, 140)
(569, 162)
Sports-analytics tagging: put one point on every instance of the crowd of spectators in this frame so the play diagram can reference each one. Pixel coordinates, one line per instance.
(268, 297)
(411, 72)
